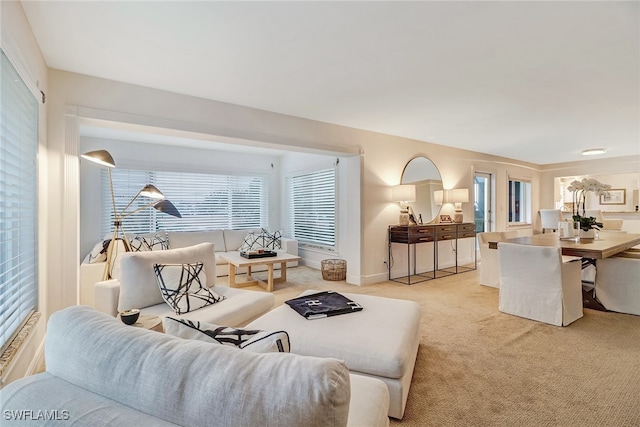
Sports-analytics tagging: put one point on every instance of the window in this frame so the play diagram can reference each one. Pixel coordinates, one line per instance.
(205, 201)
(519, 202)
(18, 202)
(312, 208)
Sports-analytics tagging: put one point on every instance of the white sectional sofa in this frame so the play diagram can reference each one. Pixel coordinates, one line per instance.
(224, 241)
(102, 372)
(137, 287)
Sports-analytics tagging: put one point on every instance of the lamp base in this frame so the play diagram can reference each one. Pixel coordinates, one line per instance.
(403, 219)
(458, 217)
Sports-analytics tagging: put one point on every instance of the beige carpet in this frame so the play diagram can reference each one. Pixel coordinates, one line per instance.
(479, 367)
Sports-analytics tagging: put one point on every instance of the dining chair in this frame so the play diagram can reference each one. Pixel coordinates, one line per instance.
(536, 284)
(489, 264)
(549, 219)
(618, 282)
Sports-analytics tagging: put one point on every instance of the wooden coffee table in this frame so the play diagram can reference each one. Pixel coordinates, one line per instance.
(236, 261)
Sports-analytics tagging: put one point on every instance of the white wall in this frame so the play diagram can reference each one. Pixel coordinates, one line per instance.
(18, 42)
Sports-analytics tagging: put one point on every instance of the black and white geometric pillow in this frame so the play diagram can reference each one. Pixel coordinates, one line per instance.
(139, 244)
(158, 241)
(255, 340)
(183, 287)
(99, 252)
(262, 240)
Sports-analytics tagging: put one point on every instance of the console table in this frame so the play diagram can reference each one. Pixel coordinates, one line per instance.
(411, 235)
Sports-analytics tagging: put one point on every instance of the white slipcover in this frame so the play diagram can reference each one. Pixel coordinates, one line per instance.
(536, 284)
(489, 262)
(618, 283)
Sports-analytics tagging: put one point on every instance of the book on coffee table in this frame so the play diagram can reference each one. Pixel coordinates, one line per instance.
(323, 304)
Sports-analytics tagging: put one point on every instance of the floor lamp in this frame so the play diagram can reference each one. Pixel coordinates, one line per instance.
(158, 202)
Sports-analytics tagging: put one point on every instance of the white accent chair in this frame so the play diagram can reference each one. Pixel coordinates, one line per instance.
(489, 262)
(549, 219)
(618, 282)
(536, 284)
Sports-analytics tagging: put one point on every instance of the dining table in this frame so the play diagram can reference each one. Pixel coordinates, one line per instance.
(608, 243)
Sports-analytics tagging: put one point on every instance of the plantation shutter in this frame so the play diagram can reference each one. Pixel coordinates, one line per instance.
(18, 202)
(312, 208)
(205, 201)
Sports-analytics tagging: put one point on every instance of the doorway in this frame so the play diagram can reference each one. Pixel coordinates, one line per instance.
(483, 202)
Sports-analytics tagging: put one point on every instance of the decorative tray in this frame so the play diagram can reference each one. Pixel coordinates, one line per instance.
(264, 254)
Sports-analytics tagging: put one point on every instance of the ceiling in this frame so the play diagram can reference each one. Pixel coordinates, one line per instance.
(533, 81)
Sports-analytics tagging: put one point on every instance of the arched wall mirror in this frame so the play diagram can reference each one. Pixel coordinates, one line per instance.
(422, 173)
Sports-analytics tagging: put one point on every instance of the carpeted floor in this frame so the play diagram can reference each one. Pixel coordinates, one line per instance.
(479, 367)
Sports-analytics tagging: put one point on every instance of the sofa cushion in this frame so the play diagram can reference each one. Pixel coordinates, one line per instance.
(183, 239)
(138, 286)
(149, 242)
(193, 383)
(234, 238)
(254, 340)
(183, 286)
(262, 239)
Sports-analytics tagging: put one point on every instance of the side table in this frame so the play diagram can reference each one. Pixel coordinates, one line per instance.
(152, 323)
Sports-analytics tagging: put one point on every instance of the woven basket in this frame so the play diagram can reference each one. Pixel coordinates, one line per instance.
(334, 269)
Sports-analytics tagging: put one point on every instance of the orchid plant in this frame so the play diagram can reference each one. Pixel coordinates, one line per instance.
(580, 190)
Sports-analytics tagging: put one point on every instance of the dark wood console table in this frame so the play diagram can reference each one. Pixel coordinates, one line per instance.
(411, 235)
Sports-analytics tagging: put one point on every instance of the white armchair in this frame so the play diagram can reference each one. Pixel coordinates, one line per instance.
(536, 284)
(618, 282)
(489, 262)
(549, 219)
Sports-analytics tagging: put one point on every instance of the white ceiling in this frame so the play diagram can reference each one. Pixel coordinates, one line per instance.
(534, 81)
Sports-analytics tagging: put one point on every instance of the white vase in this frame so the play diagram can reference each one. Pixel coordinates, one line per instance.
(589, 234)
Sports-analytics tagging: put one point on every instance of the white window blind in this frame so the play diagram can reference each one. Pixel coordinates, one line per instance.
(312, 208)
(205, 201)
(18, 202)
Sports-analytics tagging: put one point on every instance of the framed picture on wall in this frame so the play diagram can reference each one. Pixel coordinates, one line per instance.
(615, 196)
(445, 218)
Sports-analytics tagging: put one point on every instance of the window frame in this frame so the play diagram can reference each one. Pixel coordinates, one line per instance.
(525, 203)
(303, 240)
(128, 181)
(16, 311)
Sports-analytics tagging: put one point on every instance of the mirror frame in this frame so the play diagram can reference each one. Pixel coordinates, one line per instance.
(424, 191)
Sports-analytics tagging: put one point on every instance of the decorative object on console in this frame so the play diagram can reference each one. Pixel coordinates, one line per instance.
(403, 194)
(457, 196)
(104, 158)
(255, 340)
(183, 286)
(580, 189)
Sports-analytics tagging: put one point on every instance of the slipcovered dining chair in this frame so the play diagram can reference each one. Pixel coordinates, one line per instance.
(618, 282)
(489, 263)
(536, 284)
(549, 219)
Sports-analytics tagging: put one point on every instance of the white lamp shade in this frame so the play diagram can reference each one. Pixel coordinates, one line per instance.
(459, 195)
(403, 193)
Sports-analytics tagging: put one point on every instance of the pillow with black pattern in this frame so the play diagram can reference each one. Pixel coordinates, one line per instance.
(254, 340)
(262, 240)
(183, 287)
(99, 252)
(154, 242)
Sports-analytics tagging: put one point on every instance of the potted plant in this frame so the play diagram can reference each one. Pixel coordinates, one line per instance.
(587, 225)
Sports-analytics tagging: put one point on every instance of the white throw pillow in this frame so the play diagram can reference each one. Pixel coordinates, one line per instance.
(254, 340)
(183, 287)
(138, 285)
